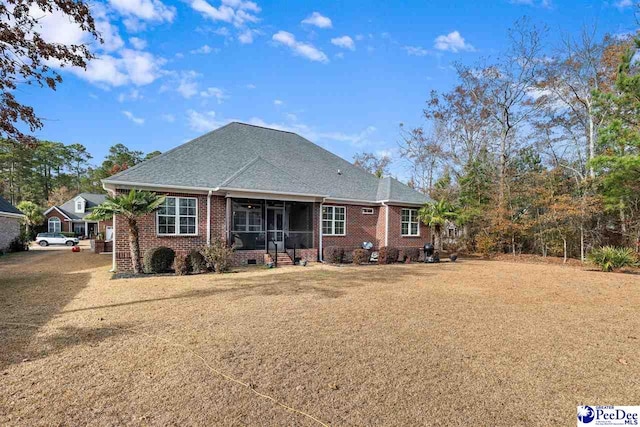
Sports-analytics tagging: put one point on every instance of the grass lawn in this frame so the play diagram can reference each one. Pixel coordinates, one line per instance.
(475, 342)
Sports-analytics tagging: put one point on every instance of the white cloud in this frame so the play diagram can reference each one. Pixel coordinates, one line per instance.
(215, 93)
(138, 43)
(452, 42)
(205, 49)
(147, 10)
(415, 50)
(250, 86)
(246, 37)
(344, 42)
(132, 95)
(306, 50)
(318, 20)
(546, 4)
(187, 85)
(134, 119)
(236, 12)
(203, 122)
(623, 4)
(277, 102)
(169, 118)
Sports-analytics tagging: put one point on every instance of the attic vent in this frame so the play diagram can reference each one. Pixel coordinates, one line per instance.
(367, 211)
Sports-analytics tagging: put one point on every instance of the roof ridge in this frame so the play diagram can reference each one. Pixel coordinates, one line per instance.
(240, 171)
(263, 127)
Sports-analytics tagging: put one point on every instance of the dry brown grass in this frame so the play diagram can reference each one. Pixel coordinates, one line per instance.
(476, 342)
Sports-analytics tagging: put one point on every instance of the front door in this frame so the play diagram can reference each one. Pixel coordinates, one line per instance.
(275, 226)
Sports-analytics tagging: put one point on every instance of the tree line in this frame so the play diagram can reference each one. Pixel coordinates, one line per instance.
(49, 173)
(536, 150)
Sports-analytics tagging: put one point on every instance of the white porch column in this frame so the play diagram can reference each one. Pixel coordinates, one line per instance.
(113, 245)
(209, 218)
(320, 258)
(86, 229)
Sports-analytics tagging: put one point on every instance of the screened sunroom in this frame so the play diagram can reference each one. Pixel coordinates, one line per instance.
(256, 224)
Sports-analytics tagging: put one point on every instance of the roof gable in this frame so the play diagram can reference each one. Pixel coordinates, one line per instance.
(8, 208)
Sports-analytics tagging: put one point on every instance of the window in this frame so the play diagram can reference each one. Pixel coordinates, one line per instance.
(410, 222)
(367, 211)
(54, 225)
(178, 216)
(80, 205)
(334, 220)
(247, 217)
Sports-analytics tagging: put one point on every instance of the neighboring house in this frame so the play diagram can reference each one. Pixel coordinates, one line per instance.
(71, 217)
(10, 218)
(261, 188)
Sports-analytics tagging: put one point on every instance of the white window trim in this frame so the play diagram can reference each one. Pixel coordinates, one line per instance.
(82, 203)
(246, 221)
(367, 211)
(333, 221)
(54, 220)
(177, 216)
(411, 220)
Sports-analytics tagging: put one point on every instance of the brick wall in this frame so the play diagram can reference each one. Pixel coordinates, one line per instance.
(359, 228)
(395, 231)
(181, 244)
(9, 230)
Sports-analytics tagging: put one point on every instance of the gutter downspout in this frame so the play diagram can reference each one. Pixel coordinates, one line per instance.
(320, 258)
(386, 224)
(209, 217)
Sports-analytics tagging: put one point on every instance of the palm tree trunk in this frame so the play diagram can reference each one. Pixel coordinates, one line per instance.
(438, 236)
(134, 246)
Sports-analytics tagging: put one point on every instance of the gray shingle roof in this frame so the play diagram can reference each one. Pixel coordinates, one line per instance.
(6, 207)
(92, 199)
(247, 157)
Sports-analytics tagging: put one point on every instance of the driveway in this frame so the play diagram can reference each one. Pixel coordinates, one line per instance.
(85, 245)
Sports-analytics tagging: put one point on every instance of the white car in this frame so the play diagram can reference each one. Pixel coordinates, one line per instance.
(46, 239)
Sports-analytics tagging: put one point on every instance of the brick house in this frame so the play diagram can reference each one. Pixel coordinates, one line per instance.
(265, 190)
(70, 217)
(10, 218)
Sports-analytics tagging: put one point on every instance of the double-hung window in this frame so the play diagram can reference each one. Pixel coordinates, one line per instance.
(178, 216)
(410, 222)
(334, 220)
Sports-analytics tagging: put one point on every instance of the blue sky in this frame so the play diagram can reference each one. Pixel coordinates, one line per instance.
(343, 74)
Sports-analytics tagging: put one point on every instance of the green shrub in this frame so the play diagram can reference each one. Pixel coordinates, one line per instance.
(388, 255)
(19, 244)
(69, 234)
(609, 258)
(181, 265)
(333, 254)
(218, 255)
(360, 256)
(159, 260)
(197, 263)
(412, 254)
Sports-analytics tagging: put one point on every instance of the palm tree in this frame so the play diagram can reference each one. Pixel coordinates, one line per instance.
(32, 215)
(435, 215)
(131, 206)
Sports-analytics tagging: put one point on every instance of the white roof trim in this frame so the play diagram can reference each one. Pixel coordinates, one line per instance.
(11, 214)
(59, 210)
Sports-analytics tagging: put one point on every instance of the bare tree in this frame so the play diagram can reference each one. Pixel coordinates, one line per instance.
(424, 153)
(372, 163)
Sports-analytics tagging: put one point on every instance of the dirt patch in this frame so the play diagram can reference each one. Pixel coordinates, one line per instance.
(472, 342)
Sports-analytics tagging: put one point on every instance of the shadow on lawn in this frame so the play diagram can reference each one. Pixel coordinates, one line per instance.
(34, 287)
(321, 283)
